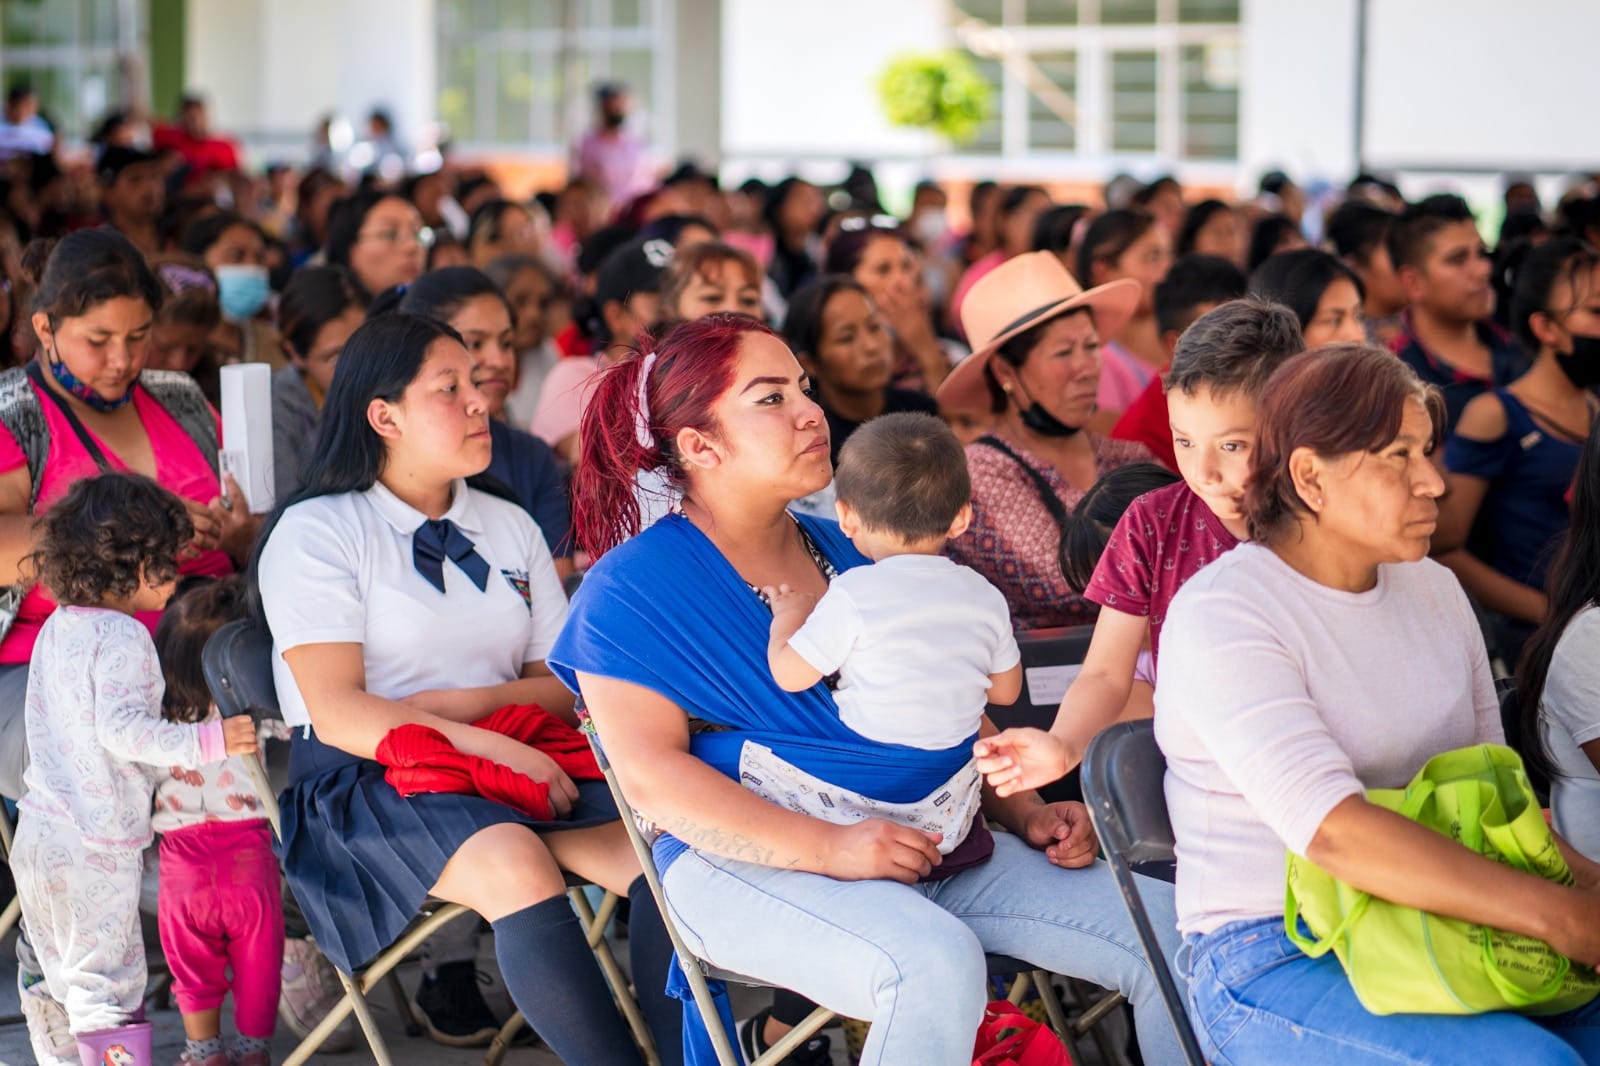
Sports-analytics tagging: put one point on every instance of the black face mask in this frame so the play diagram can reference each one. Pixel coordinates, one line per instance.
(613, 120)
(1042, 422)
(1582, 364)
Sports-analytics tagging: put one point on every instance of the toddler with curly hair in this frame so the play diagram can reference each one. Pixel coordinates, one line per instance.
(96, 736)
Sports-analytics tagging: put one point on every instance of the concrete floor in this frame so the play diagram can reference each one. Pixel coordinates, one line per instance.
(406, 1050)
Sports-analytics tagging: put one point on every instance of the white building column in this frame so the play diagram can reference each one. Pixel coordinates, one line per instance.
(696, 77)
(1296, 99)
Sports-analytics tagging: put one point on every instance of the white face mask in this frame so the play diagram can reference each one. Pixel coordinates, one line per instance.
(931, 226)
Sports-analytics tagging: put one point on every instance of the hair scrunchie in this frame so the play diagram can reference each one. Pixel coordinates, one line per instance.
(641, 421)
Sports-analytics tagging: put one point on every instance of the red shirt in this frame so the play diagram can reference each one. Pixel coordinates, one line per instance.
(1163, 540)
(203, 154)
(571, 341)
(1146, 420)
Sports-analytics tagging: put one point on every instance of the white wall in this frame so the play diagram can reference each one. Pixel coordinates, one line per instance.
(271, 68)
(1296, 104)
(1503, 83)
(800, 79)
(223, 55)
(696, 110)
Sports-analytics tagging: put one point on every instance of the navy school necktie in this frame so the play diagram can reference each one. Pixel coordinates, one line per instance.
(436, 541)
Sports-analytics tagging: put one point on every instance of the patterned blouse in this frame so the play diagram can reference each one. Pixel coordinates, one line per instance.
(1013, 539)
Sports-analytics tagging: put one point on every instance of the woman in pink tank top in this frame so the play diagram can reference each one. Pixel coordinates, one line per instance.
(94, 302)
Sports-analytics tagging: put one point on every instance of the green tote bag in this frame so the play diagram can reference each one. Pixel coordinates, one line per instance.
(1401, 960)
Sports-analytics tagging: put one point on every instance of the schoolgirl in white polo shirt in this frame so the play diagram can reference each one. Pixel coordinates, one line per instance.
(398, 594)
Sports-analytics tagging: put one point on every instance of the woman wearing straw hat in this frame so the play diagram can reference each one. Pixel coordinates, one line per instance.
(1036, 363)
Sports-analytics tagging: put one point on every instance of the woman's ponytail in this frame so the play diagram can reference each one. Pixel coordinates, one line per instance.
(635, 412)
(605, 510)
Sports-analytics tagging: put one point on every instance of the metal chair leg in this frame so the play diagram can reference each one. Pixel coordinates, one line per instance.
(10, 916)
(355, 990)
(1055, 1013)
(1095, 1011)
(795, 1037)
(1053, 1009)
(369, 1024)
(402, 1004)
(594, 927)
(502, 1040)
(335, 1018)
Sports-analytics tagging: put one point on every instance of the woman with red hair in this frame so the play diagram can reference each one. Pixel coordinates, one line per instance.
(868, 918)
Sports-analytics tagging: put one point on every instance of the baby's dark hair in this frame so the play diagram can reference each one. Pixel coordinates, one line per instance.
(200, 607)
(1097, 514)
(904, 474)
(108, 535)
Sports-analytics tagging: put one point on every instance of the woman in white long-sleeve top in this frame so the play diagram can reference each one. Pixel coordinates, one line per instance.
(1329, 657)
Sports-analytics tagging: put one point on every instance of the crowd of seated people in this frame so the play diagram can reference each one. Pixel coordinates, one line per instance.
(645, 379)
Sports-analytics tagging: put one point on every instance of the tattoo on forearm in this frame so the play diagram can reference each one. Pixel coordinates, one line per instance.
(728, 845)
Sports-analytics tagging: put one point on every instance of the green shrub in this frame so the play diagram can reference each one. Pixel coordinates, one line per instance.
(941, 92)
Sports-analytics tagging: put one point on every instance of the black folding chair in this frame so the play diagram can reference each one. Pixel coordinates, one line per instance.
(13, 910)
(12, 914)
(1050, 660)
(1123, 787)
(238, 668)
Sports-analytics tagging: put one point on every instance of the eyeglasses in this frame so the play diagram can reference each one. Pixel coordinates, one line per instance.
(857, 223)
(421, 235)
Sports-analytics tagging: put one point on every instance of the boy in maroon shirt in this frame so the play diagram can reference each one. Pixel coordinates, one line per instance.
(1194, 285)
(1220, 366)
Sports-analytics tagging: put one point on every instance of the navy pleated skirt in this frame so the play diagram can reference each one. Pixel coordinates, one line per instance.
(361, 858)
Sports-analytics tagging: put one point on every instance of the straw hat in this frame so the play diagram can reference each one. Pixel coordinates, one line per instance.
(1023, 292)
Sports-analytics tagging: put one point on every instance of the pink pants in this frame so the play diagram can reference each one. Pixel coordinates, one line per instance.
(221, 910)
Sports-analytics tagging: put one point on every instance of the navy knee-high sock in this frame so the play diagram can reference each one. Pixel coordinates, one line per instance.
(650, 956)
(555, 982)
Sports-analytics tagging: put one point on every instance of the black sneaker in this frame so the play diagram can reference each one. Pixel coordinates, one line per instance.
(452, 1007)
(814, 1052)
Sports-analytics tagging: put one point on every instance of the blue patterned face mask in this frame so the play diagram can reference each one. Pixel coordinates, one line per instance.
(242, 290)
(78, 389)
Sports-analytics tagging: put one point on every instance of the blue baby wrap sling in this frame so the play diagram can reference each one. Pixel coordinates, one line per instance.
(666, 611)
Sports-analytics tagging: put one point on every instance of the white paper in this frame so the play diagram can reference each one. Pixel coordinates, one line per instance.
(1047, 684)
(247, 432)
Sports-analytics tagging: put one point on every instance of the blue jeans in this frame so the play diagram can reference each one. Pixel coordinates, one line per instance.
(1256, 998)
(910, 958)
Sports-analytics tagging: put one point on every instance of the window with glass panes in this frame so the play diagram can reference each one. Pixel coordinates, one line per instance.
(67, 51)
(1144, 77)
(518, 73)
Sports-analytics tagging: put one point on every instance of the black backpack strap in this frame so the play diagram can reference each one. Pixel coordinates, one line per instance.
(181, 398)
(65, 408)
(1047, 494)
